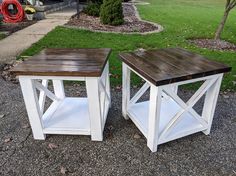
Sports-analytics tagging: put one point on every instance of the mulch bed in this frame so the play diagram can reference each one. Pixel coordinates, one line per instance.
(132, 23)
(214, 44)
(9, 28)
(5, 73)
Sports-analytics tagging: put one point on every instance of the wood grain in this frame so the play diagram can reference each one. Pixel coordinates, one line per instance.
(165, 66)
(65, 62)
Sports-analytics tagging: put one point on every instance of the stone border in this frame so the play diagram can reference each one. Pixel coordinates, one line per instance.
(138, 2)
(160, 28)
(43, 11)
(60, 6)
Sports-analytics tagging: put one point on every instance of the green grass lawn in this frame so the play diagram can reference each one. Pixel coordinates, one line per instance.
(182, 19)
(2, 36)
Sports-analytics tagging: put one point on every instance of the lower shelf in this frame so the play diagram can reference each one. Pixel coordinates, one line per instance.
(186, 126)
(70, 116)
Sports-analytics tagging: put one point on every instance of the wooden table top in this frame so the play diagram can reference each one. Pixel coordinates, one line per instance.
(165, 66)
(65, 62)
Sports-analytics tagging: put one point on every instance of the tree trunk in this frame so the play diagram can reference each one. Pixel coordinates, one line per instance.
(222, 24)
(77, 6)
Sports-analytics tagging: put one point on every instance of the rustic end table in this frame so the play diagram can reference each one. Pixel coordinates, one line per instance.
(66, 115)
(166, 116)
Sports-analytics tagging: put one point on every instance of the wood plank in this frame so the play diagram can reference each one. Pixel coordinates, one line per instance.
(165, 66)
(65, 62)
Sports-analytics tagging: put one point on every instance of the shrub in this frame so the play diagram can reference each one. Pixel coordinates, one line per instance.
(112, 12)
(97, 1)
(93, 9)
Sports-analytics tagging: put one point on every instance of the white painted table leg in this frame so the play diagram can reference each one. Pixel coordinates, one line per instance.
(59, 89)
(175, 88)
(125, 89)
(42, 95)
(32, 106)
(108, 88)
(92, 86)
(210, 103)
(154, 117)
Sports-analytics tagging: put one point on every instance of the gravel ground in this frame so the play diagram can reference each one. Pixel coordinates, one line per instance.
(123, 151)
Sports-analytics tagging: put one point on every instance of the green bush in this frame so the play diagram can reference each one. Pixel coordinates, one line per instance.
(97, 1)
(93, 9)
(112, 12)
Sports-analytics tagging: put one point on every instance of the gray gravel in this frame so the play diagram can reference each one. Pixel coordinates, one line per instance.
(120, 153)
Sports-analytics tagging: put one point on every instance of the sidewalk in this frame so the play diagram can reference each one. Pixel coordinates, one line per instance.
(13, 45)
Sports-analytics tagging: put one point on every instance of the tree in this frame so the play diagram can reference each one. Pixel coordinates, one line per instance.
(93, 8)
(230, 4)
(97, 1)
(112, 12)
(77, 7)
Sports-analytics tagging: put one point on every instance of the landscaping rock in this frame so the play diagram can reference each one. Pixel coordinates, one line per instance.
(137, 136)
(63, 170)
(214, 44)
(132, 24)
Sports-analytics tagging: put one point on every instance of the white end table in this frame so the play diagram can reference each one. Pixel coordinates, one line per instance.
(66, 115)
(166, 117)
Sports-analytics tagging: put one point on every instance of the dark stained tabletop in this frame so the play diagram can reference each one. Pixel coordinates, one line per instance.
(165, 66)
(65, 62)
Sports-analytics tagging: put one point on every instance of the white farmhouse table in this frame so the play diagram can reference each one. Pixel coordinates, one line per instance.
(166, 117)
(66, 115)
